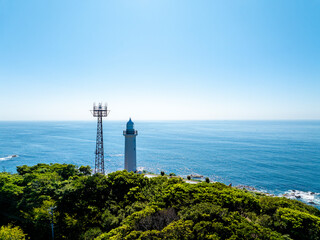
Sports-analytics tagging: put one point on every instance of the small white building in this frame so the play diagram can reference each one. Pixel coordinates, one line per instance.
(130, 162)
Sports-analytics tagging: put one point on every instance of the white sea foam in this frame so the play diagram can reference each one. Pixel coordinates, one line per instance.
(116, 155)
(140, 169)
(8, 157)
(308, 197)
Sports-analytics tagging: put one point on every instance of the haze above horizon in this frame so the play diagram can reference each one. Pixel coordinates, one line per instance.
(160, 60)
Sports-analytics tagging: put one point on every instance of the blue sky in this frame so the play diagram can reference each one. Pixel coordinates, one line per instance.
(160, 60)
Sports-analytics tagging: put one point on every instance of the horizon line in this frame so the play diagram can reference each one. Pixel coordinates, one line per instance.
(156, 120)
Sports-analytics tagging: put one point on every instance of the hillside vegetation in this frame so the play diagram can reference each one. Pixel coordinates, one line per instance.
(124, 205)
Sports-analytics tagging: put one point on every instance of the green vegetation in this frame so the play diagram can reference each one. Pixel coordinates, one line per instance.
(125, 205)
(12, 233)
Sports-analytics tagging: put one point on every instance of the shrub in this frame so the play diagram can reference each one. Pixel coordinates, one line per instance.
(12, 233)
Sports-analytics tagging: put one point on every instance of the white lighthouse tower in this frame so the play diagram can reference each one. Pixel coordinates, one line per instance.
(130, 134)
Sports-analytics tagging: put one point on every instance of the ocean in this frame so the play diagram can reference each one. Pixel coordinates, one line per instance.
(278, 157)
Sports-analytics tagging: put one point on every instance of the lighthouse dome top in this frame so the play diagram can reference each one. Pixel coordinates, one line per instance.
(130, 125)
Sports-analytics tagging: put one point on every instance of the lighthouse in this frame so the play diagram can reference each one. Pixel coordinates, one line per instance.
(130, 134)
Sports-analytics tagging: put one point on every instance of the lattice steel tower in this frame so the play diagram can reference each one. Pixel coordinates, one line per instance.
(99, 112)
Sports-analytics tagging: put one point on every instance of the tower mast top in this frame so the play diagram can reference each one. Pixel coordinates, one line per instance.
(100, 110)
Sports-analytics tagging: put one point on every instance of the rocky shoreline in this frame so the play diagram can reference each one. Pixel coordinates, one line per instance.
(307, 197)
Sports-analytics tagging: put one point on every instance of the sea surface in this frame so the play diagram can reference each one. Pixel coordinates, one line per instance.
(278, 157)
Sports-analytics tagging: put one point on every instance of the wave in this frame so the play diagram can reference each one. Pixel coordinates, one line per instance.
(8, 157)
(308, 197)
(311, 198)
(140, 169)
(116, 155)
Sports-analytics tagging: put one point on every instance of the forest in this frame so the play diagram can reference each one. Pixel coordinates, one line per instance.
(123, 205)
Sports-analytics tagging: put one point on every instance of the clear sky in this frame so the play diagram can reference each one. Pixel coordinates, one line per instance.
(160, 60)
